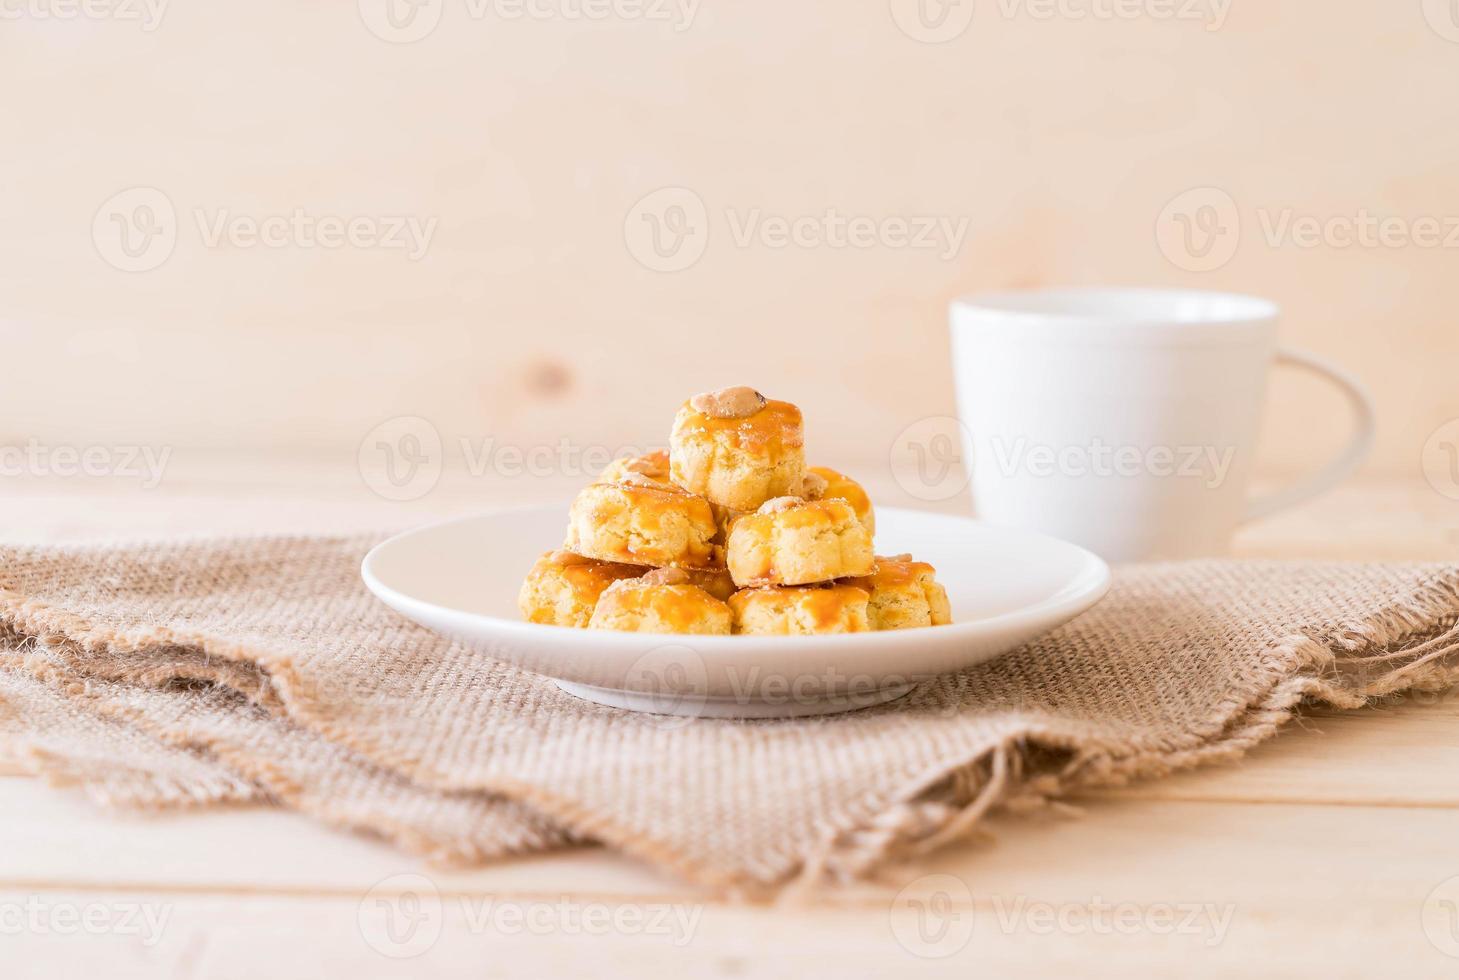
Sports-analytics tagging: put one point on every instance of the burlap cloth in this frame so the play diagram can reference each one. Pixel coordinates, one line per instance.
(238, 671)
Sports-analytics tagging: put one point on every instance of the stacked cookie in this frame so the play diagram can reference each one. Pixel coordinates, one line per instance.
(728, 532)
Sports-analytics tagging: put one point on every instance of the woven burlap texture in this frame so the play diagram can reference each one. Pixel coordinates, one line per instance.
(232, 670)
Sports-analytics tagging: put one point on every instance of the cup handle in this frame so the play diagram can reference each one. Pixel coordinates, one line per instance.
(1346, 463)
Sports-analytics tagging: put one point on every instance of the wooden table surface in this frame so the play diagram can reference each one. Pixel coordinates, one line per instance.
(1331, 850)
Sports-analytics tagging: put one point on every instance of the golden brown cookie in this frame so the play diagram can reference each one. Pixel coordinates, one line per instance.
(663, 601)
(736, 448)
(639, 522)
(562, 589)
(904, 593)
(800, 610)
(822, 483)
(790, 541)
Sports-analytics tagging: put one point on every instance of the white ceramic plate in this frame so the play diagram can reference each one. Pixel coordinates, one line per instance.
(1006, 586)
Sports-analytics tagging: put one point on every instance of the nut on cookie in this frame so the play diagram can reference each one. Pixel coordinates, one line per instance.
(790, 541)
(663, 601)
(654, 466)
(736, 448)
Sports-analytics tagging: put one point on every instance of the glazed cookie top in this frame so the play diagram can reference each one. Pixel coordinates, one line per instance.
(671, 598)
(822, 482)
(893, 571)
(797, 512)
(654, 465)
(582, 571)
(651, 488)
(742, 417)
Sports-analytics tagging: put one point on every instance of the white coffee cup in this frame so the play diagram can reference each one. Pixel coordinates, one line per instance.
(1125, 420)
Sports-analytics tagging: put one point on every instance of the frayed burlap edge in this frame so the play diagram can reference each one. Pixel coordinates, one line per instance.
(1411, 644)
(274, 786)
(132, 789)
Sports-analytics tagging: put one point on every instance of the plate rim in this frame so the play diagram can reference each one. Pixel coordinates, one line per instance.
(1057, 610)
